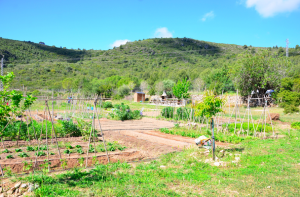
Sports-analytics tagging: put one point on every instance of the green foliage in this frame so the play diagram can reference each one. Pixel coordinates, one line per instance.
(295, 125)
(17, 102)
(210, 105)
(180, 90)
(184, 113)
(123, 112)
(244, 129)
(70, 129)
(23, 155)
(6, 151)
(78, 146)
(167, 112)
(80, 151)
(40, 153)
(9, 157)
(107, 104)
(289, 95)
(29, 148)
(261, 71)
(18, 150)
(67, 151)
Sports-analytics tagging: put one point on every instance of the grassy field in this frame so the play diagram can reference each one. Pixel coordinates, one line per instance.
(265, 168)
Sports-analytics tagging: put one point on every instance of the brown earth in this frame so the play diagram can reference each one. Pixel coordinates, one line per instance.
(139, 136)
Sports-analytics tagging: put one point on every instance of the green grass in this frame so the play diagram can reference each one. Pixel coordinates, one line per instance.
(263, 163)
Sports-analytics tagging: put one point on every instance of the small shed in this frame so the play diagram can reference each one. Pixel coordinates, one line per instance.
(139, 96)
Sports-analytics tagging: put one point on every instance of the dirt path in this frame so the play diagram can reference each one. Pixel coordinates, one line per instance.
(141, 135)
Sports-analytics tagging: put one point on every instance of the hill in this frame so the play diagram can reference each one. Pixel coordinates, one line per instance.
(40, 66)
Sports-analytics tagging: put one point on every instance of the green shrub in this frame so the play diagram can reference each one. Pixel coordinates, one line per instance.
(69, 129)
(295, 125)
(107, 104)
(29, 148)
(184, 113)
(167, 112)
(123, 112)
(23, 155)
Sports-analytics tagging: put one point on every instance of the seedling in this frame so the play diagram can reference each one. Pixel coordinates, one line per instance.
(52, 153)
(43, 148)
(9, 157)
(23, 155)
(69, 147)
(18, 150)
(30, 148)
(81, 161)
(63, 163)
(78, 146)
(45, 167)
(40, 153)
(68, 151)
(6, 151)
(26, 166)
(80, 151)
(91, 150)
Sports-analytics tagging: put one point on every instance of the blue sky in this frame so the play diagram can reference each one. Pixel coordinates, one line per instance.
(102, 24)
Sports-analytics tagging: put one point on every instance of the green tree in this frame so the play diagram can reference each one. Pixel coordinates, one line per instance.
(68, 84)
(260, 71)
(180, 90)
(11, 101)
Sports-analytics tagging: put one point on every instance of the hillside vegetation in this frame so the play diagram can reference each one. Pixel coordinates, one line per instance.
(152, 60)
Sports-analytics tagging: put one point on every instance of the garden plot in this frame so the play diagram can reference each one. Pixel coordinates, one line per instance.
(22, 158)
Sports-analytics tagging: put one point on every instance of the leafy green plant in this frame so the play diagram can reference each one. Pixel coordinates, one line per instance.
(78, 146)
(23, 154)
(123, 112)
(26, 166)
(69, 129)
(69, 147)
(6, 151)
(295, 125)
(40, 153)
(67, 151)
(81, 161)
(29, 148)
(80, 151)
(9, 157)
(107, 104)
(63, 163)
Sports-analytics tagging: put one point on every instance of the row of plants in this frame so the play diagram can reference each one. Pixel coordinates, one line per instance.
(242, 128)
(111, 146)
(182, 113)
(221, 137)
(123, 112)
(19, 130)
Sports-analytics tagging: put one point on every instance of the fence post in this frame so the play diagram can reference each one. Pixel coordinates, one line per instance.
(213, 138)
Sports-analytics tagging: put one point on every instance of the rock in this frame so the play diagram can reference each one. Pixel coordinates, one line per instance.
(269, 187)
(36, 186)
(17, 185)
(30, 188)
(24, 185)
(217, 164)
(11, 191)
(275, 116)
(27, 194)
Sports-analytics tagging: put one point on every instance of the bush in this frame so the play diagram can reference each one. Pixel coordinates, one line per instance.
(167, 112)
(107, 105)
(123, 112)
(117, 97)
(295, 125)
(70, 129)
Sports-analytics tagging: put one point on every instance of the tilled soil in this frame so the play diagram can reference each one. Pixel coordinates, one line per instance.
(139, 136)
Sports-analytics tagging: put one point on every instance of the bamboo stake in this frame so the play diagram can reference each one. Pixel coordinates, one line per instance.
(102, 134)
(46, 103)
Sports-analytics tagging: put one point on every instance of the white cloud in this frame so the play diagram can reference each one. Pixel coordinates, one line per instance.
(268, 8)
(208, 15)
(118, 43)
(163, 33)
